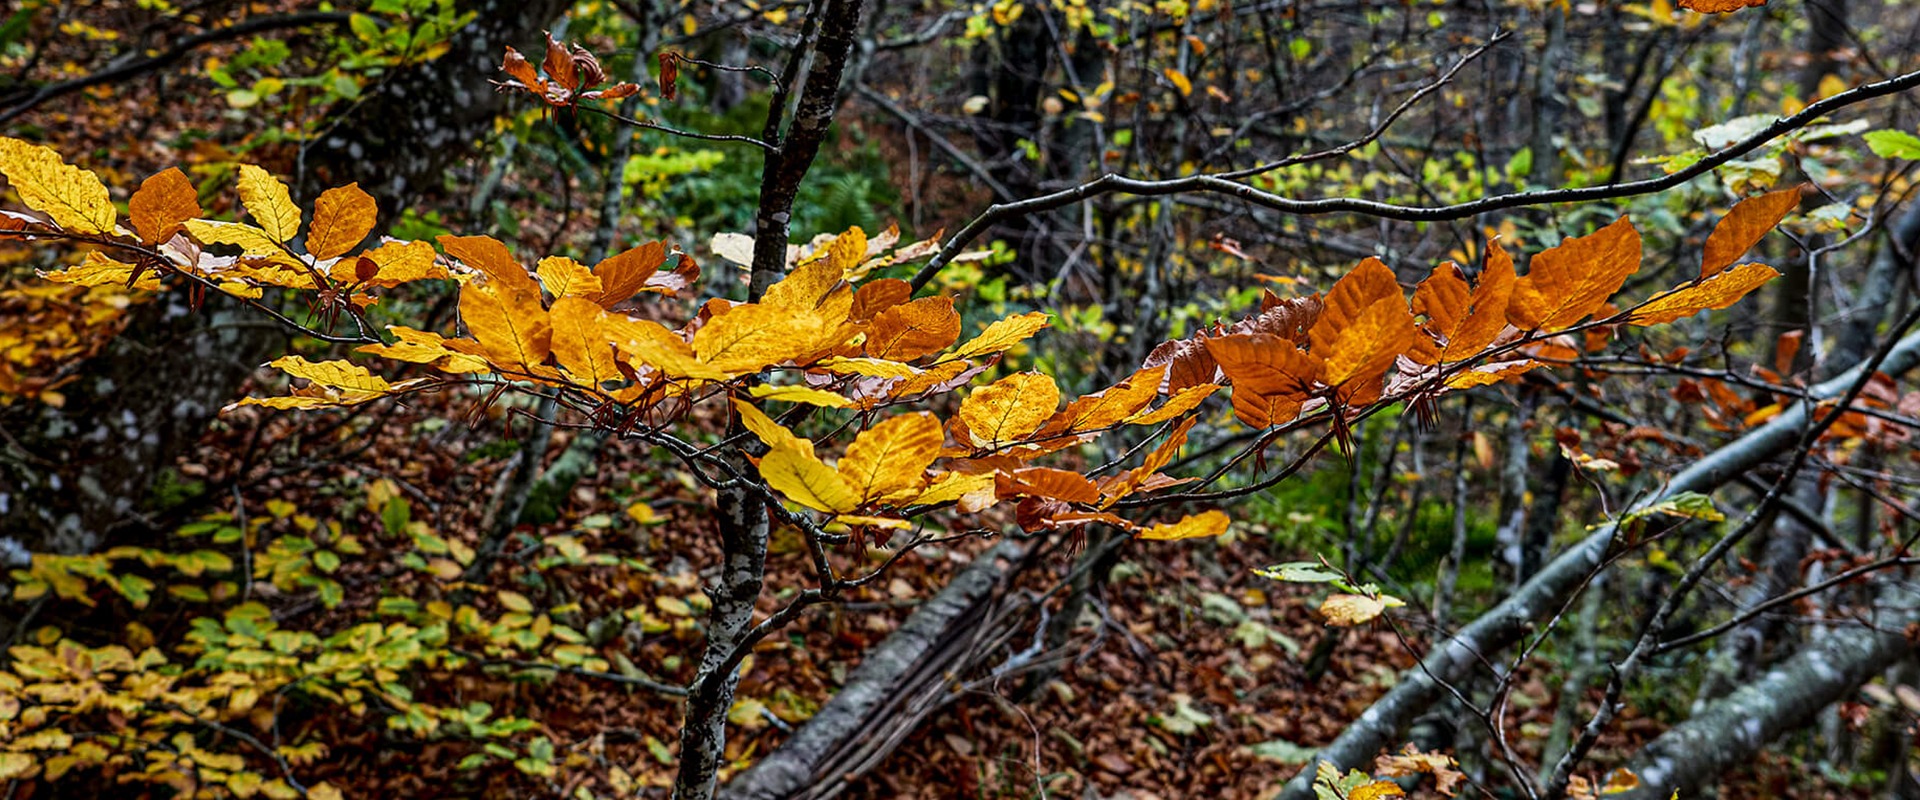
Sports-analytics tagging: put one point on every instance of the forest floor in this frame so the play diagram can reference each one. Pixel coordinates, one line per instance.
(1186, 677)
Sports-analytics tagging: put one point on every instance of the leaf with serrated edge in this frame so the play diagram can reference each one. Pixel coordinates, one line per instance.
(1009, 408)
(1719, 291)
(1566, 283)
(1001, 335)
(269, 203)
(803, 479)
(164, 201)
(342, 217)
(891, 459)
(1197, 526)
(75, 198)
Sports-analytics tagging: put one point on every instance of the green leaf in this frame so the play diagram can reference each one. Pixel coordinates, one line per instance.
(326, 560)
(1300, 572)
(1893, 144)
(395, 515)
(1282, 751)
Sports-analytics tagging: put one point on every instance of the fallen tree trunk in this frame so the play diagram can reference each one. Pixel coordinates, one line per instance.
(898, 685)
(1452, 660)
(1784, 699)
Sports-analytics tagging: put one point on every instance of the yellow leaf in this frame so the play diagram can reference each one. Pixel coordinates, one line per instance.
(1001, 335)
(1111, 405)
(269, 203)
(1347, 610)
(965, 488)
(99, 270)
(1566, 283)
(251, 240)
(565, 277)
(848, 251)
(803, 479)
(515, 601)
(336, 374)
(654, 346)
(342, 217)
(163, 202)
(891, 458)
(751, 337)
(1489, 374)
(512, 328)
(1742, 228)
(870, 367)
(1179, 80)
(424, 347)
(17, 766)
(889, 523)
(578, 342)
(1009, 408)
(909, 331)
(1723, 289)
(394, 263)
(1181, 402)
(74, 198)
(1201, 525)
(799, 394)
(1376, 790)
(773, 433)
(805, 287)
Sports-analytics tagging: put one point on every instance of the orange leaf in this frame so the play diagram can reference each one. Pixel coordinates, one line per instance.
(1722, 290)
(876, 296)
(565, 277)
(162, 203)
(1565, 284)
(1257, 410)
(625, 274)
(1743, 227)
(1370, 282)
(1056, 484)
(906, 332)
(1367, 348)
(491, 258)
(1266, 364)
(1110, 405)
(394, 263)
(1466, 322)
(890, 460)
(342, 217)
(1719, 7)
(1180, 403)
(511, 327)
(579, 344)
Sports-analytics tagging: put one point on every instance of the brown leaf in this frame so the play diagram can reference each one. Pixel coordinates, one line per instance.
(1742, 228)
(669, 75)
(520, 69)
(559, 65)
(1056, 484)
(163, 202)
(1266, 364)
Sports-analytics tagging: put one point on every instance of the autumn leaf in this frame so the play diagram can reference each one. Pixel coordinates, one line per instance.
(1001, 335)
(342, 216)
(799, 394)
(1256, 410)
(491, 258)
(1566, 283)
(425, 347)
(269, 203)
(1719, 291)
(1010, 408)
(1201, 525)
(1410, 761)
(751, 337)
(1347, 610)
(805, 287)
(100, 270)
(1180, 403)
(625, 274)
(1109, 406)
(75, 198)
(1057, 484)
(251, 240)
(876, 296)
(335, 374)
(909, 331)
(164, 201)
(1743, 227)
(1719, 7)
(654, 346)
(889, 460)
(565, 277)
(1179, 81)
(971, 491)
(1465, 322)
(578, 342)
(393, 263)
(803, 479)
(1265, 364)
(1376, 790)
(1368, 347)
(775, 435)
(511, 327)
(1370, 282)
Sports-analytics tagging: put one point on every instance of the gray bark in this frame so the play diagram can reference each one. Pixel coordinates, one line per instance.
(1452, 660)
(879, 686)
